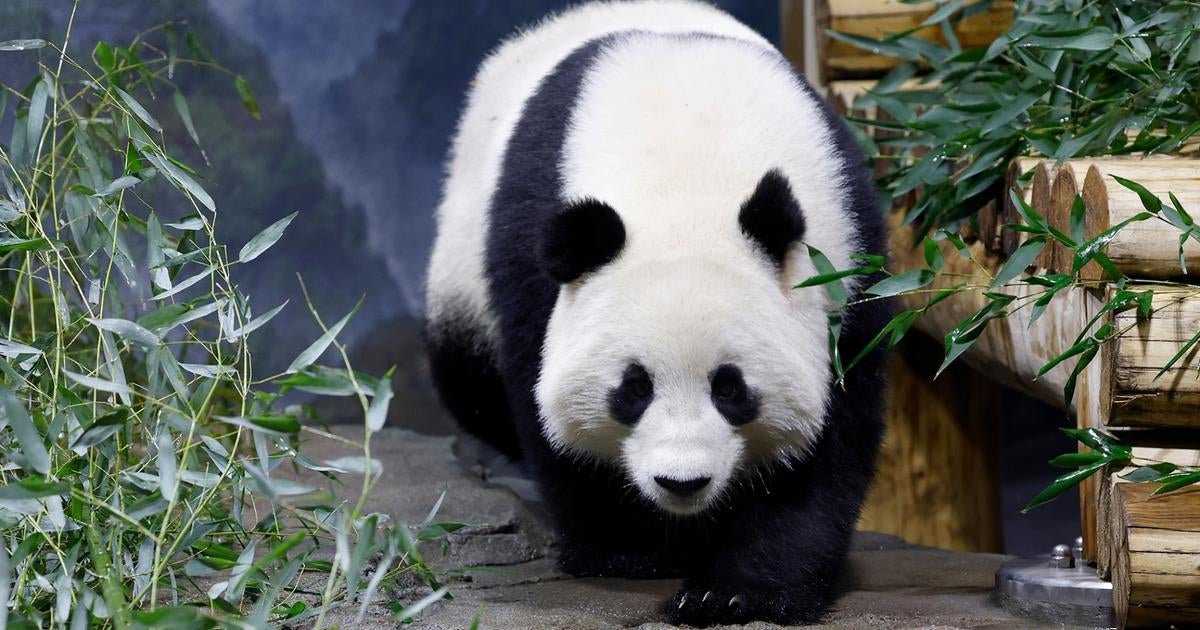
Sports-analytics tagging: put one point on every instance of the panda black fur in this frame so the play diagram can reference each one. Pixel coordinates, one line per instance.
(633, 335)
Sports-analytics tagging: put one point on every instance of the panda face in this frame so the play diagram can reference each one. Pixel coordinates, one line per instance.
(687, 372)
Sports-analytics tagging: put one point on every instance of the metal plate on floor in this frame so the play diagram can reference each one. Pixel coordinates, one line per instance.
(1033, 588)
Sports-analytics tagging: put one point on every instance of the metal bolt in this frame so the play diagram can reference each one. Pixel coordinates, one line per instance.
(1060, 557)
(1077, 552)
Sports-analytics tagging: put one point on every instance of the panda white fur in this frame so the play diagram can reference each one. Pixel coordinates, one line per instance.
(610, 298)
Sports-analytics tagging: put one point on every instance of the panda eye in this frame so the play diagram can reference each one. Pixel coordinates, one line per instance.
(629, 400)
(727, 383)
(730, 395)
(636, 381)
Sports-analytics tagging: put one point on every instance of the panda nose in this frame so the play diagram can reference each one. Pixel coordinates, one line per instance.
(682, 487)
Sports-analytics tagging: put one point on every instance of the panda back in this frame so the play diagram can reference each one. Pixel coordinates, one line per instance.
(457, 290)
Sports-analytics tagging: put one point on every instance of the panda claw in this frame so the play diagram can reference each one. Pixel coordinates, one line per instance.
(683, 600)
(737, 603)
(707, 595)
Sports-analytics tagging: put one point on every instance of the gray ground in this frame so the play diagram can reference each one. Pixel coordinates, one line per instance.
(894, 585)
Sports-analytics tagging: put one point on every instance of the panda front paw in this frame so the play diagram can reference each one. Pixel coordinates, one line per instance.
(702, 606)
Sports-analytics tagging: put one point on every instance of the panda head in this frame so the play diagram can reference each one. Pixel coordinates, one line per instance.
(684, 357)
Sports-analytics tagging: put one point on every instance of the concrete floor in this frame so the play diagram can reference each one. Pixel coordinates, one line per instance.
(517, 586)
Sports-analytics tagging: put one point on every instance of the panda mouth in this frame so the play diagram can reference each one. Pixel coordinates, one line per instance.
(682, 497)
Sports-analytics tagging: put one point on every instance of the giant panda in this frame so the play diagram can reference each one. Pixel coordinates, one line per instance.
(610, 300)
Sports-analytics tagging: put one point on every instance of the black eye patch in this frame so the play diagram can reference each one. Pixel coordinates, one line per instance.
(629, 400)
(731, 396)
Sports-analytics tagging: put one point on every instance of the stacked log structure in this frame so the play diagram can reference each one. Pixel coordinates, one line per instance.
(1125, 389)
(1148, 545)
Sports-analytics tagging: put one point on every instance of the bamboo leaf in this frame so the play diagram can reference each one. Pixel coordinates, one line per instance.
(377, 412)
(1174, 482)
(1019, 260)
(1075, 460)
(182, 180)
(318, 347)
(21, 44)
(127, 330)
(34, 455)
(138, 110)
(1088, 251)
(1064, 483)
(406, 615)
(902, 283)
(100, 430)
(247, 95)
(271, 425)
(167, 466)
(256, 323)
(1154, 472)
(37, 116)
(98, 384)
(265, 239)
(1150, 201)
(1179, 354)
(22, 245)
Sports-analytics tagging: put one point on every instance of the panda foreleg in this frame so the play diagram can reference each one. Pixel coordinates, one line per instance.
(603, 528)
(783, 555)
(781, 563)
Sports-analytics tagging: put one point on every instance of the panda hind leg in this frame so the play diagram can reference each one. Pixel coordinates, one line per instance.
(471, 388)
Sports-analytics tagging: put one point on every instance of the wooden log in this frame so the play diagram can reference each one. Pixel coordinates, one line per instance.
(1155, 547)
(1133, 393)
(1041, 198)
(1009, 350)
(1089, 412)
(1148, 249)
(1183, 450)
(1014, 179)
(878, 18)
(794, 33)
(1068, 180)
(937, 470)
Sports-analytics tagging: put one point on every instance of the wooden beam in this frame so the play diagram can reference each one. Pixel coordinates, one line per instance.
(792, 36)
(878, 18)
(938, 458)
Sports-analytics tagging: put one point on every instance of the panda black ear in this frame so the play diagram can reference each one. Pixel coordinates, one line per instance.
(582, 237)
(771, 217)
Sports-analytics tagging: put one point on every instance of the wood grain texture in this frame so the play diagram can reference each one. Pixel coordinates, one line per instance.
(1155, 555)
(1019, 178)
(1147, 249)
(937, 481)
(1136, 395)
(793, 37)
(878, 18)
(1009, 350)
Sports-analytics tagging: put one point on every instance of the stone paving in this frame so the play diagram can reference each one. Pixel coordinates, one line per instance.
(894, 585)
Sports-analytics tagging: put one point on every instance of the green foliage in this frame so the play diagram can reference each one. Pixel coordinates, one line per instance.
(1070, 78)
(140, 483)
